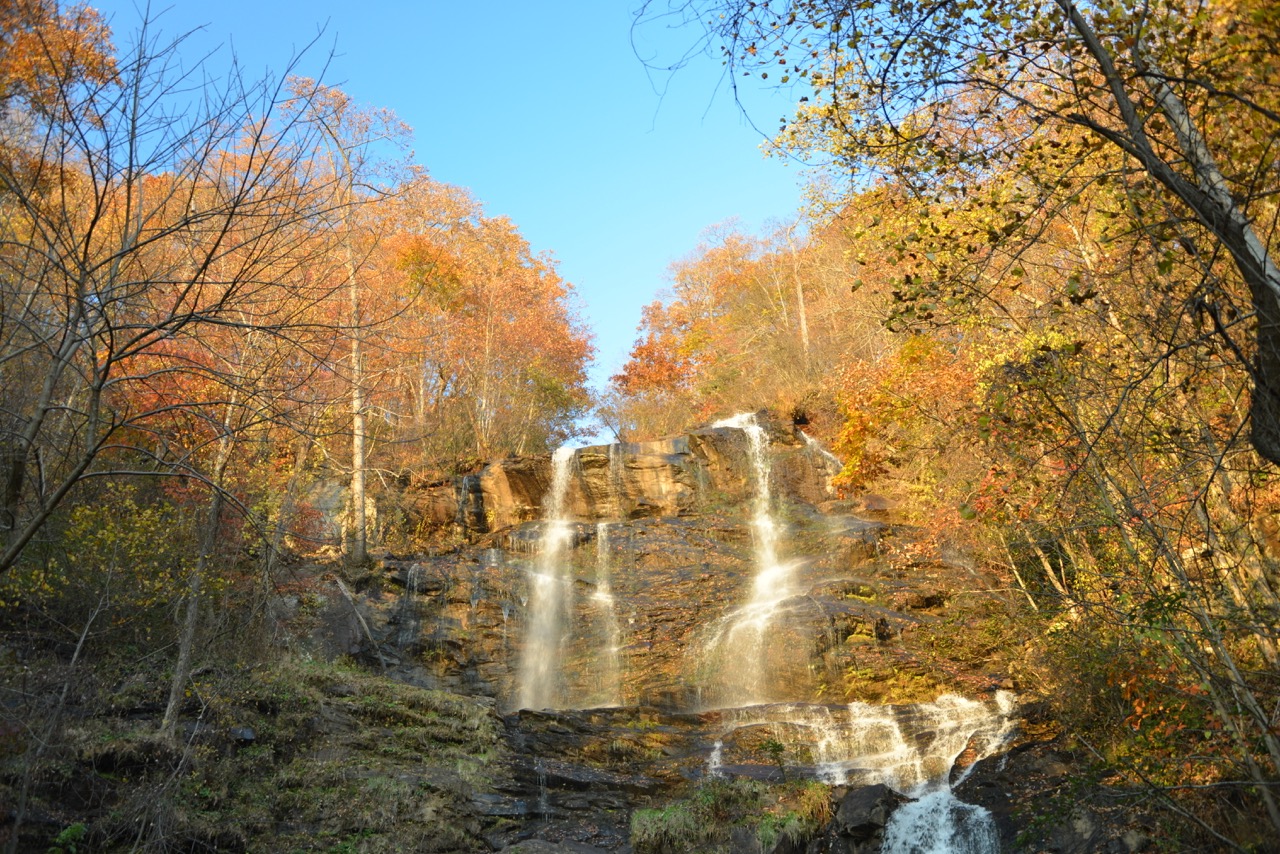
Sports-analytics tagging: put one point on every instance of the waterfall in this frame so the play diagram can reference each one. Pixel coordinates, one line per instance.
(937, 823)
(764, 529)
(409, 628)
(830, 461)
(715, 762)
(610, 661)
(887, 738)
(742, 643)
(538, 677)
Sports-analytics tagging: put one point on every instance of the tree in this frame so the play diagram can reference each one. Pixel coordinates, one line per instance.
(46, 49)
(736, 302)
(940, 94)
(354, 140)
(127, 225)
(504, 354)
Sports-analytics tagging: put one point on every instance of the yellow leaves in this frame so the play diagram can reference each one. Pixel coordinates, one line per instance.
(131, 553)
(903, 412)
(1018, 349)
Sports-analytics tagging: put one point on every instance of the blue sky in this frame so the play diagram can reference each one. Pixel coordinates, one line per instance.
(543, 111)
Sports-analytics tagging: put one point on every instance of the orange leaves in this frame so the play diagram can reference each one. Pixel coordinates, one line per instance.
(751, 321)
(486, 353)
(905, 409)
(1167, 704)
(43, 49)
(659, 362)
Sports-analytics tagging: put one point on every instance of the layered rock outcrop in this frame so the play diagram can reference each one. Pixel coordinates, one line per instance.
(659, 570)
(669, 477)
(661, 566)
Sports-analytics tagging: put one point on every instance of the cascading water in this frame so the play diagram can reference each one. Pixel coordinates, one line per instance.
(936, 822)
(549, 604)
(610, 662)
(716, 760)
(674, 579)
(830, 462)
(764, 529)
(409, 629)
(911, 749)
(742, 642)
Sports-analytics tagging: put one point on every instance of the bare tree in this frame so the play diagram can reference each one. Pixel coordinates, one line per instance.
(143, 209)
(354, 146)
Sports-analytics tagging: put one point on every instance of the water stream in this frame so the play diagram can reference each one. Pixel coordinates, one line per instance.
(740, 645)
(538, 677)
(609, 664)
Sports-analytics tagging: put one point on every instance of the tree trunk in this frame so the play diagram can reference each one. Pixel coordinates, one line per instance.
(1208, 196)
(195, 586)
(359, 546)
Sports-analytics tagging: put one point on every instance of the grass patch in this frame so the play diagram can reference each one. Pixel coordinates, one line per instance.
(717, 814)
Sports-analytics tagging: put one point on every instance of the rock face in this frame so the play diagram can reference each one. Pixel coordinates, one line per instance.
(673, 581)
(658, 603)
(670, 477)
(659, 600)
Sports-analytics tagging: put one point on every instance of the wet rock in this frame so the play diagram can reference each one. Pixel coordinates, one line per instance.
(1080, 833)
(745, 841)
(667, 477)
(860, 819)
(512, 489)
(863, 812)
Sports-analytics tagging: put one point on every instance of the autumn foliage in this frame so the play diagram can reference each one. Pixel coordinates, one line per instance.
(1022, 318)
(219, 298)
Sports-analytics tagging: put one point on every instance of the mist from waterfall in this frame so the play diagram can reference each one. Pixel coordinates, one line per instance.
(550, 596)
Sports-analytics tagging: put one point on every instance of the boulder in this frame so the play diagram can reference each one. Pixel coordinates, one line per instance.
(860, 819)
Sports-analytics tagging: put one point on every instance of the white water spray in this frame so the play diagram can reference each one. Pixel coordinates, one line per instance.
(742, 643)
(830, 461)
(538, 677)
(936, 822)
(715, 762)
(764, 529)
